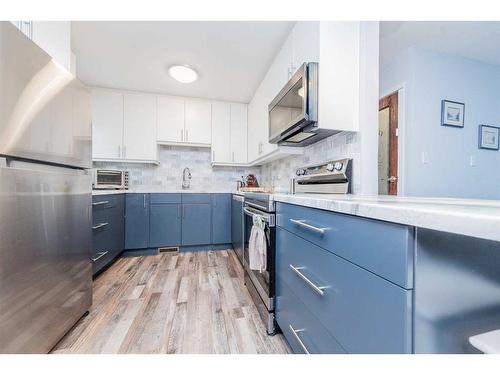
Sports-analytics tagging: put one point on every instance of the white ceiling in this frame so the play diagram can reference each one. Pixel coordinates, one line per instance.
(231, 57)
(474, 40)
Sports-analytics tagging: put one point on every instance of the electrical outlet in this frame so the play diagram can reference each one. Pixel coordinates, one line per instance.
(472, 161)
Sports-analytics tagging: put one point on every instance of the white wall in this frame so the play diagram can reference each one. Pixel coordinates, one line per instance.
(428, 78)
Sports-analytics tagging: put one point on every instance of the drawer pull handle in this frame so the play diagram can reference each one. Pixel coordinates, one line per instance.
(101, 254)
(303, 224)
(317, 289)
(100, 225)
(295, 333)
(100, 203)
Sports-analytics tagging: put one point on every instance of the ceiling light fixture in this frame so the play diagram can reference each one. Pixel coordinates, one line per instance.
(183, 73)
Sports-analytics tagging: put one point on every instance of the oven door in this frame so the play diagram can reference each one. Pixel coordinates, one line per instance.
(262, 281)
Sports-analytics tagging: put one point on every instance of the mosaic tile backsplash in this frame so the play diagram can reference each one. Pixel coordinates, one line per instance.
(339, 146)
(168, 175)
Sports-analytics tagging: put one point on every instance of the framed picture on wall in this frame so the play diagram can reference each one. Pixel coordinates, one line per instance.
(452, 113)
(488, 137)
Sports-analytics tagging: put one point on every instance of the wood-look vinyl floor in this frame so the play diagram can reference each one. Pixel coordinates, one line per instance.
(172, 303)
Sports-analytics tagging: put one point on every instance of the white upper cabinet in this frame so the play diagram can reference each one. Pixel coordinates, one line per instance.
(107, 124)
(170, 119)
(221, 132)
(229, 133)
(123, 126)
(198, 122)
(139, 127)
(238, 139)
(305, 43)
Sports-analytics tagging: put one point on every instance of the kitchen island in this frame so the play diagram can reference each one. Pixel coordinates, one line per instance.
(385, 274)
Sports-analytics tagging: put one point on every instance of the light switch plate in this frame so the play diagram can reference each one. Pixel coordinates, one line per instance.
(425, 157)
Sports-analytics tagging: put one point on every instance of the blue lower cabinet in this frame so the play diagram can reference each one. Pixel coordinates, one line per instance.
(196, 224)
(107, 229)
(136, 221)
(165, 225)
(302, 329)
(221, 218)
(364, 312)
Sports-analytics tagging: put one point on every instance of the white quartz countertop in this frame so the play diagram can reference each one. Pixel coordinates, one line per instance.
(108, 192)
(476, 218)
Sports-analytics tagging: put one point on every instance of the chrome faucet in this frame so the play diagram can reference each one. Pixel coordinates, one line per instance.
(186, 177)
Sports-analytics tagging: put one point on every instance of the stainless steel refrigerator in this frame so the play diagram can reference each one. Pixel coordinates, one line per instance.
(45, 197)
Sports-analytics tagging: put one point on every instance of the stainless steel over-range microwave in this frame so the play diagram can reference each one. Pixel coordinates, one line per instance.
(110, 179)
(294, 112)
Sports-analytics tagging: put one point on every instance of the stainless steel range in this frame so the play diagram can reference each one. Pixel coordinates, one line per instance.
(261, 285)
(332, 177)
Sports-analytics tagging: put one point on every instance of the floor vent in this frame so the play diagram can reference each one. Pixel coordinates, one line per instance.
(168, 249)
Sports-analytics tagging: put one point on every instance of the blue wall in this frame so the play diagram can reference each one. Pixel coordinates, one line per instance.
(430, 77)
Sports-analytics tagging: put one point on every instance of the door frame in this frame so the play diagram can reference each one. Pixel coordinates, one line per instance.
(401, 90)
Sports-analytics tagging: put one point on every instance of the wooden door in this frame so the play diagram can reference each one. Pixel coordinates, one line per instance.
(388, 145)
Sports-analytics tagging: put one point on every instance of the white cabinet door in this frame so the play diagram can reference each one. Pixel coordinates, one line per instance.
(238, 133)
(139, 127)
(107, 124)
(170, 119)
(305, 43)
(221, 132)
(198, 128)
(55, 38)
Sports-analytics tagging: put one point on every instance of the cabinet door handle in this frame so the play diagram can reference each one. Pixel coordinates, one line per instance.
(100, 203)
(144, 200)
(317, 289)
(187, 136)
(213, 155)
(100, 225)
(119, 151)
(101, 254)
(183, 211)
(182, 135)
(179, 212)
(295, 333)
(124, 151)
(303, 224)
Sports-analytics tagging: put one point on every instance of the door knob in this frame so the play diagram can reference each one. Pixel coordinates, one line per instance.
(392, 179)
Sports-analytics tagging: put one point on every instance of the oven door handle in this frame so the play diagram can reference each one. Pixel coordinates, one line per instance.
(268, 218)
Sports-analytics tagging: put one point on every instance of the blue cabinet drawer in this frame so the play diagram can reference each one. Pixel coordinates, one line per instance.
(101, 202)
(364, 312)
(196, 198)
(302, 329)
(165, 198)
(381, 247)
